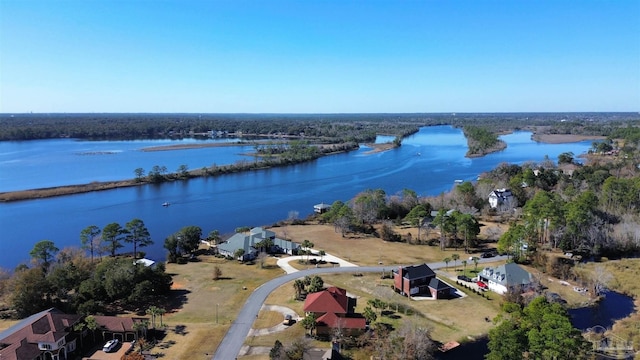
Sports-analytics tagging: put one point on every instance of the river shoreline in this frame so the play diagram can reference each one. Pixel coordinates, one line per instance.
(63, 190)
(40, 193)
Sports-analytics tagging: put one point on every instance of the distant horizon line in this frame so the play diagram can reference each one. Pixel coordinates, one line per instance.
(321, 113)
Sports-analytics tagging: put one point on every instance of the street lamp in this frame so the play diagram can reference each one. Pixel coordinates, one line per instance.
(217, 313)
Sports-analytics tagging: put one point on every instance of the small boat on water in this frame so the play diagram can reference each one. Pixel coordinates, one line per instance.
(165, 204)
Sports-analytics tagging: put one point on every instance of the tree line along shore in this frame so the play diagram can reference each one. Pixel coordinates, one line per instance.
(330, 132)
(267, 160)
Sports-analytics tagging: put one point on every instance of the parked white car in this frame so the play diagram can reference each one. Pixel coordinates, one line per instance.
(110, 345)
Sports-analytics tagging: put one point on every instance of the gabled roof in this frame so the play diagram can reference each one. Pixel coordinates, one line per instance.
(22, 339)
(333, 320)
(117, 324)
(417, 272)
(333, 300)
(501, 193)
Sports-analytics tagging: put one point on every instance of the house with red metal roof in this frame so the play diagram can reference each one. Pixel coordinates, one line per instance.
(334, 310)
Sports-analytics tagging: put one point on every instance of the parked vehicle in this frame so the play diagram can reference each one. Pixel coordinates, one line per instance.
(110, 345)
(482, 285)
(464, 278)
(488, 254)
(288, 319)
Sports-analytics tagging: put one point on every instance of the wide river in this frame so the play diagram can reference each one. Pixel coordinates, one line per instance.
(428, 162)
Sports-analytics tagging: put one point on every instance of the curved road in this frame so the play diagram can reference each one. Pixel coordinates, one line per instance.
(232, 342)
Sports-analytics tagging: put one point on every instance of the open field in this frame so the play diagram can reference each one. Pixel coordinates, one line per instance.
(198, 314)
(209, 306)
(367, 250)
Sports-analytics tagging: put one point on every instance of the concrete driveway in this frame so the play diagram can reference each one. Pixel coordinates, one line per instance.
(283, 263)
(98, 354)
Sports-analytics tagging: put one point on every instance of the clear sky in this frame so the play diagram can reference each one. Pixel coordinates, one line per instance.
(311, 56)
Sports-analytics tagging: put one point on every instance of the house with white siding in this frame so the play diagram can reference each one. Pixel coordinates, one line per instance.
(501, 198)
(501, 278)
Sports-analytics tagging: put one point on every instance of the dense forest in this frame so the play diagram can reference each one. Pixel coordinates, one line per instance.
(338, 127)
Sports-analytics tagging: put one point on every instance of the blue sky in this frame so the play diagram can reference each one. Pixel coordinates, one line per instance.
(312, 56)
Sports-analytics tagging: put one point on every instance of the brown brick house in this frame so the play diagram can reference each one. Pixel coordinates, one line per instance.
(121, 328)
(49, 335)
(413, 280)
(42, 336)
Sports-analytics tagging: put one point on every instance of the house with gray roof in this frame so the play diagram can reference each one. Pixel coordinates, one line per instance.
(504, 277)
(501, 199)
(249, 243)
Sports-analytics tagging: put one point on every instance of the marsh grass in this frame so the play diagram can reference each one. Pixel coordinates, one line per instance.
(626, 275)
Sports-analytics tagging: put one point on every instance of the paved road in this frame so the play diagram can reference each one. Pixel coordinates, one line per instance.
(235, 337)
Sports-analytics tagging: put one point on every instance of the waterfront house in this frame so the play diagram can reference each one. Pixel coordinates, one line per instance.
(45, 335)
(250, 243)
(501, 198)
(50, 335)
(321, 208)
(504, 277)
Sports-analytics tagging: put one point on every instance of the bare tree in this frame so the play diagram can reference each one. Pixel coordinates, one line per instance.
(599, 280)
(293, 216)
(408, 342)
(342, 223)
(217, 273)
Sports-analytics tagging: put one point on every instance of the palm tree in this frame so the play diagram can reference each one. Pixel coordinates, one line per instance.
(309, 322)
(322, 253)
(161, 312)
(455, 258)
(298, 285)
(140, 326)
(464, 263)
(153, 311)
(475, 260)
(446, 261)
(307, 245)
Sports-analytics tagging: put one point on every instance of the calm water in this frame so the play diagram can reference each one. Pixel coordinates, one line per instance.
(612, 307)
(45, 163)
(427, 162)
